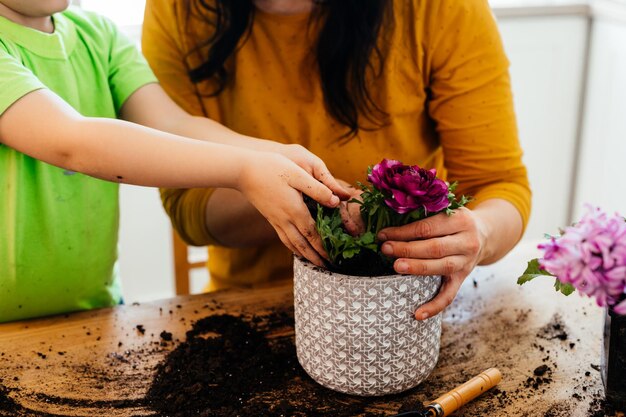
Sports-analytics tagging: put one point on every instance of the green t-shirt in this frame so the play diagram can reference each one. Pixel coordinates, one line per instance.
(59, 229)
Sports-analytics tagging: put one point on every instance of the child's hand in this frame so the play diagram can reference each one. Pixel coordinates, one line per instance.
(273, 183)
(312, 164)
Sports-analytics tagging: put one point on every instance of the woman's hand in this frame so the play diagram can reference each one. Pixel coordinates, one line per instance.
(273, 183)
(351, 212)
(450, 246)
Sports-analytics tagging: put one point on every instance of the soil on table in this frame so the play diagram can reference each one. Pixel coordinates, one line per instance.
(230, 366)
(246, 366)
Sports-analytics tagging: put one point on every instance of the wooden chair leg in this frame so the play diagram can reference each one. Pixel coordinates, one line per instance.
(181, 264)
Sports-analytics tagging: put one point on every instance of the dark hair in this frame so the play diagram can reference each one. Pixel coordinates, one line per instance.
(347, 47)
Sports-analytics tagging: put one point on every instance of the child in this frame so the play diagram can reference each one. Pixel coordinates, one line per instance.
(65, 75)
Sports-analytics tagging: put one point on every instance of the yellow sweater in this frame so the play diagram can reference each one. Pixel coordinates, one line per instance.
(445, 86)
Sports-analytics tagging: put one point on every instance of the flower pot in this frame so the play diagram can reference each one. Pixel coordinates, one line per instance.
(358, 335)
(614, 359)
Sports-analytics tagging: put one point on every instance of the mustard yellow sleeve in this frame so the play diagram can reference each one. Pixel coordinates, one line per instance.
(472, 102)
(163, 47)
(187, 211)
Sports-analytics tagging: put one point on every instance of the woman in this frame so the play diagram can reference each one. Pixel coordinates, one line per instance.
(422, 81)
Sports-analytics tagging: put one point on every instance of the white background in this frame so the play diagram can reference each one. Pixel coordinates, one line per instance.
(122, 12)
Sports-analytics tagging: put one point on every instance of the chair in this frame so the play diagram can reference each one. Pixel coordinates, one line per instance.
(183, 265)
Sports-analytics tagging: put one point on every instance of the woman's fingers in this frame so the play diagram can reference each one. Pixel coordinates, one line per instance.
(443, 299)
(351, 218)
(435, 226)
(351, 212)
(436, 248)
(444, 266)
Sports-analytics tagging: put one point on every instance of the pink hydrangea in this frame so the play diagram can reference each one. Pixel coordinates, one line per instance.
(591, 256)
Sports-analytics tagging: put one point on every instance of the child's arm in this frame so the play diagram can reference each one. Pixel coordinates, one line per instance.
(227, 210)
(43, 126)
(151, 106)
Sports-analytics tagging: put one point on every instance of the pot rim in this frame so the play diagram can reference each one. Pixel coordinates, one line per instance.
(314, 268)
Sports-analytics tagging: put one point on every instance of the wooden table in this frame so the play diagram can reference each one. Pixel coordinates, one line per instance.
(98, 363)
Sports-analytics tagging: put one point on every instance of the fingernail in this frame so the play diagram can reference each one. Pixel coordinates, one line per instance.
(402, 267)
(334, 200)
(382, 236)
(421, 315)
(387, 249)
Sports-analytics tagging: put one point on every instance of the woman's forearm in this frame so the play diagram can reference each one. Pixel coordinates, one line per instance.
(501, 225)
(234, 222)
(163, 114)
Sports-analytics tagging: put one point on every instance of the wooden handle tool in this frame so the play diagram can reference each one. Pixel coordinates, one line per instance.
(451, 401)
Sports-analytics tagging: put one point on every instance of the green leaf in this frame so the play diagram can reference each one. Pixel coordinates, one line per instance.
(367, 238)
(533, 270)
(565, 289)
(523, 279)
(349, 253)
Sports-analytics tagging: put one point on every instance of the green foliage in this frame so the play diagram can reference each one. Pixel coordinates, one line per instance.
(533, 270)
(337, 242)
(565, 289)
(454, 202)
(376, 216)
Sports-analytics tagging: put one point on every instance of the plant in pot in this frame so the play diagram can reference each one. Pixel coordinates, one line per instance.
(590, 257)
(355, 329)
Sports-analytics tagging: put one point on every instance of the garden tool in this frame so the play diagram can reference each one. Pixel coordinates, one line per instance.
(451, 401)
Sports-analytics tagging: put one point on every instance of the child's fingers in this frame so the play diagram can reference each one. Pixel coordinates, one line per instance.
(314, 189)
(322, 174)
(430, 227)
(302, 245)
(283, 238)
(306, 227)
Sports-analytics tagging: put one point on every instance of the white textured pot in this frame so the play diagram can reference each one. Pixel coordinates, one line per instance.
(358, 335)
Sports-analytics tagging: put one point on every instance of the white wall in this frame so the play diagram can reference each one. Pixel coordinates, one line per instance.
(602, 173)
(146, 261)
(146, 256)
(547, 64)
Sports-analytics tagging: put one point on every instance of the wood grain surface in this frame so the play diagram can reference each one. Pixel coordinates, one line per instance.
(99, 363)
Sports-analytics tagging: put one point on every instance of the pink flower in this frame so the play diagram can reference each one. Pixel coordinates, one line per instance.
(591, 256)
(409, 188)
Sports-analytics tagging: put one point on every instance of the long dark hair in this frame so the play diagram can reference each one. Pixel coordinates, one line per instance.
(347, 48)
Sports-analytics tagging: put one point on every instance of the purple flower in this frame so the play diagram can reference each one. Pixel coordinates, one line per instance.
(591, 256)
(408, 188)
